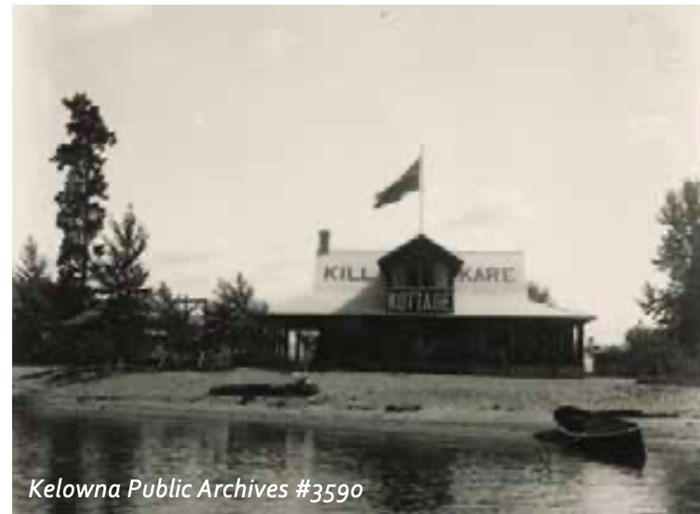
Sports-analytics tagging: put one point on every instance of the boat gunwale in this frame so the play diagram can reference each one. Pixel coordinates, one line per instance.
(632, 429)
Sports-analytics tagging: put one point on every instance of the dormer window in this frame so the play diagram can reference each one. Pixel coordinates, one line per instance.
(422, 274)
(419, 277)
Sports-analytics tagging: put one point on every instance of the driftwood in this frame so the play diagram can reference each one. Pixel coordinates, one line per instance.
(636, 413)
(402, 408)
(301, 387)
(670, 380)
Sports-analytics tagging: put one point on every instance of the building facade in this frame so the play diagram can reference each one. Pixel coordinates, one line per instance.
(423, 308)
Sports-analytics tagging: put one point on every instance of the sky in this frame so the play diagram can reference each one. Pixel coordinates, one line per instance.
(242, 131)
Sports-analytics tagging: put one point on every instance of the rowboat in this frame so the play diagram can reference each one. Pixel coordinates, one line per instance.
(598, 436)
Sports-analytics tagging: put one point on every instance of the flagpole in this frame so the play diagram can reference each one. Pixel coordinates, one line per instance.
(421, 188)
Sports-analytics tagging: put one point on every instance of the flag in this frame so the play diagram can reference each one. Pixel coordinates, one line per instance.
(406, 183)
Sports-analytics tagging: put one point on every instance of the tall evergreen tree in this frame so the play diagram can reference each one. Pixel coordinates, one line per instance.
(676, 304)
(121, 284)
(80, 204)
(32, 313)
(231, 315)
(170, 323)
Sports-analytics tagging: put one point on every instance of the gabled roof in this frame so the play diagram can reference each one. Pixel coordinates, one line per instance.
(420, 246)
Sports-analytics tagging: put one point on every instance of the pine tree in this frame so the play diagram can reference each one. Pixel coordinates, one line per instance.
(171, 324)
(231, 315)
(32, 312)
(121, 279)
(32, 266)
(80, 210)
(676, 304)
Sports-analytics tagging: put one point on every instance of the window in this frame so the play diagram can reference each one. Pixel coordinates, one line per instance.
(417, 273)
(428, 277)
(413, 277)
(420, 274)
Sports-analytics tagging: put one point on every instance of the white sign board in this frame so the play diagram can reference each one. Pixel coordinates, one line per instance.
(481, 273)
(491, 272)
(346, 270)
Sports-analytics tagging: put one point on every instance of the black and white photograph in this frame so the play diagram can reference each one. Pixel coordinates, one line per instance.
(364, 259)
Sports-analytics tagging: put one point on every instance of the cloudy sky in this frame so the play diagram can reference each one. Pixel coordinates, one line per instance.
(244, 130)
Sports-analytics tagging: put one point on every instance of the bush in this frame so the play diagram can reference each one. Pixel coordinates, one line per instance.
(651, 351)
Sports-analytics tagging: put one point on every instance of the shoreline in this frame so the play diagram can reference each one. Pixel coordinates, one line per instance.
(305, 419)
(462, 404)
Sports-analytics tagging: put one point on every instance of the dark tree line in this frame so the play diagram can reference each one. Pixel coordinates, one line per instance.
(33, 305)
(671, 345)
(99, 309)
(675, 305)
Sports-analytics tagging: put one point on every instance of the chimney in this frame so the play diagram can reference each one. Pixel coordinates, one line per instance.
(324, 242)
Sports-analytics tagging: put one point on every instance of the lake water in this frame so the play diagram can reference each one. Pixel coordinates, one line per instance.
(399, 472)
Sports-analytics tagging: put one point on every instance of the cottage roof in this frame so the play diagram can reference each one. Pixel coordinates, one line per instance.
(369, 301)
(486, 284)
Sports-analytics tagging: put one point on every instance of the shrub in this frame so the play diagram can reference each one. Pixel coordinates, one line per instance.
(652, 351)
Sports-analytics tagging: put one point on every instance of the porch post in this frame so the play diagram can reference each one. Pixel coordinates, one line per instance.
(297, 348)
(578, 344)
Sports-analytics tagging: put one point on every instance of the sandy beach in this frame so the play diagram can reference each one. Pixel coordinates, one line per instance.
(389, 401)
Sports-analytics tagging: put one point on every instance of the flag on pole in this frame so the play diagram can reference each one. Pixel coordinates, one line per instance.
(406, 183)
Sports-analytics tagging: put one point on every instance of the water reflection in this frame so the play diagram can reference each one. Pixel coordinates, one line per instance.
(408, 473)
(683, 487)
(116, 447)
(401, 475)
(66, 465)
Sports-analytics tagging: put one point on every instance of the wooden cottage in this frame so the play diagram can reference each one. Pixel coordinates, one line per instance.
(421, 307)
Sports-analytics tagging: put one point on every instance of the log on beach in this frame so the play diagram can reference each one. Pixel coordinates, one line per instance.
(301, 387)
